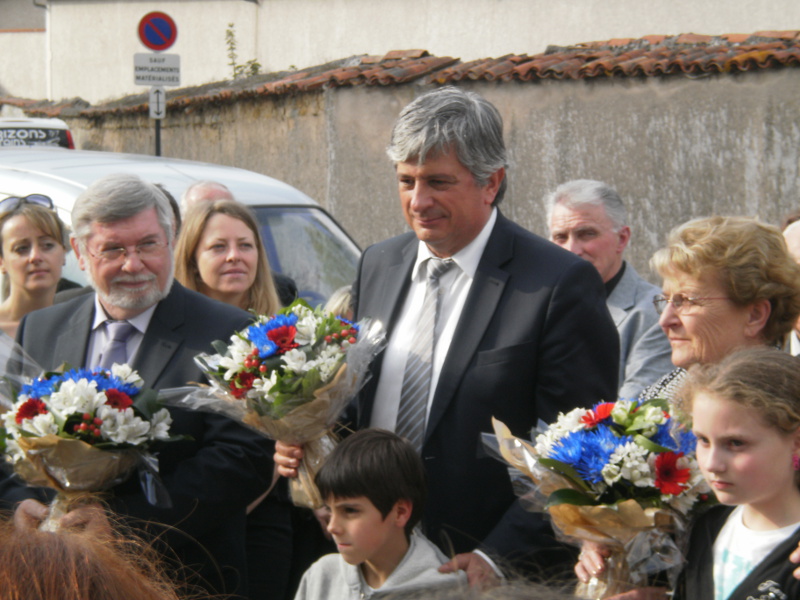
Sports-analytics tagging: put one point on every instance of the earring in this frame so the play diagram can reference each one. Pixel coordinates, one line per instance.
(796, 462)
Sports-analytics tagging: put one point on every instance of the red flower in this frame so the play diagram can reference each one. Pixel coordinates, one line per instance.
(241, 384)
(29, 409)
(669, 478)
(284, 337)
(594, 417)
(117, 399)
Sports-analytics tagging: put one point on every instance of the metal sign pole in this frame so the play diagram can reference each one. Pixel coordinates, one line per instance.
(158, 137)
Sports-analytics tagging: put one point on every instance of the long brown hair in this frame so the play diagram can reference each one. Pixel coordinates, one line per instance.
(262, 296)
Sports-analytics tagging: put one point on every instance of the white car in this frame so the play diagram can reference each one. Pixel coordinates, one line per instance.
(301, 239)
(35, 132)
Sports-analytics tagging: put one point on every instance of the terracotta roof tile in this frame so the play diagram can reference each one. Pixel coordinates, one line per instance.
(687, 54)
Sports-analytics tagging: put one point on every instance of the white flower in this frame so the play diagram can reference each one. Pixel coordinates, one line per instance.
(160, 424)
(621, 410)
(566, 423)
(327, 362)
(632, 465)
(76, 397)
(13, 451)
(127, 374)
(306, 328)
(40, 425)
(263, 385)
(296, 360)
(238, 350)
(123, 426)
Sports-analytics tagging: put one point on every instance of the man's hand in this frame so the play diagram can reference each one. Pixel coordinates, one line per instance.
(89, 518)
(287, 458)
(591, 561)
(795, 558)
(30, 514)
(479, 573)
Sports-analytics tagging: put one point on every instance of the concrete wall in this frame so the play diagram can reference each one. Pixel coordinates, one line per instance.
(675, 148)
(93, 41)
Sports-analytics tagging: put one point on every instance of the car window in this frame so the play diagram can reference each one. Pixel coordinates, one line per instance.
(306, 245)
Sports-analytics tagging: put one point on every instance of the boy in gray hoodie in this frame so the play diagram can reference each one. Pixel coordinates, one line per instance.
(374, 485)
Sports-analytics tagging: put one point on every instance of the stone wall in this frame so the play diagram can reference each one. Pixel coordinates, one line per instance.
(674, 147)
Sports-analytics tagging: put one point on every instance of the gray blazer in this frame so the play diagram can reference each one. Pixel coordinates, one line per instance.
(644, 351)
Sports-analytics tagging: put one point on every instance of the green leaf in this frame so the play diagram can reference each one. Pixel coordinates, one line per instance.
(649, 444)
(569, 496)
(565, 470)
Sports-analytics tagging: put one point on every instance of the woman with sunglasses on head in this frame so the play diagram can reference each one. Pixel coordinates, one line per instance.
(33, 246)
(729, 283)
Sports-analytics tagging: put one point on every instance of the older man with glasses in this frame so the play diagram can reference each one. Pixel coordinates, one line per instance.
(123, 234)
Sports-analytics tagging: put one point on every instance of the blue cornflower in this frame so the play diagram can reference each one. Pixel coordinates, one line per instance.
(663, 437)
(569, 449)
(258, 334)
(39, 387)
(598, 447)
(687, 441)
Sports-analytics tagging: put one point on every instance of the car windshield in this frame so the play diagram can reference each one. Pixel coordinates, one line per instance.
(306, 245)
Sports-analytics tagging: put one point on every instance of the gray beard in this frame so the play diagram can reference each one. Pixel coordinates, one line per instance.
(123, 299)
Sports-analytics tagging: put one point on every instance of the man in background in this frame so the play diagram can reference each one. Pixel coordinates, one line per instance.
(589, 219)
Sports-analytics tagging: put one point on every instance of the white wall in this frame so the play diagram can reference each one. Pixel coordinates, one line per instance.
(94, 41)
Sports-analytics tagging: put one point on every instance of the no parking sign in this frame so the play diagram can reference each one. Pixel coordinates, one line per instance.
(157, 31)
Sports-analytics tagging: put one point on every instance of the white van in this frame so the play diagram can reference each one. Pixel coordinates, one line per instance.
(301, 239)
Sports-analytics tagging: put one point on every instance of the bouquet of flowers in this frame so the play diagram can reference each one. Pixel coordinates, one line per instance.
(289, 376)
(82, 431)
(621, 474)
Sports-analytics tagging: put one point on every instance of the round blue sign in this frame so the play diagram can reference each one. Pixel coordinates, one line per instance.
(157, 31)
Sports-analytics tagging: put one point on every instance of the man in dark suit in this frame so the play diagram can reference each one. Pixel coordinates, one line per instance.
(522, 330)
(123, 230)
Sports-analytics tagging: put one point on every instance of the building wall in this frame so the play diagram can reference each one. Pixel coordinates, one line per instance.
(675, 148)
(94, 41)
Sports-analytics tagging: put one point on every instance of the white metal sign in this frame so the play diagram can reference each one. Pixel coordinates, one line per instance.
(158, 102)
(157, 69)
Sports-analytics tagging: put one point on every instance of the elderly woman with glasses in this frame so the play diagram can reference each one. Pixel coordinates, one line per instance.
(33, 245)
(729, 283)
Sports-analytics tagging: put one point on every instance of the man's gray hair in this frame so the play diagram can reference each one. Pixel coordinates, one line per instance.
(117, 197)
(449, 118)
(582, 192)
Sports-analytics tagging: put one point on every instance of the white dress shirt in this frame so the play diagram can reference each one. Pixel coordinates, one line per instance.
(454, 286)
(794, 343)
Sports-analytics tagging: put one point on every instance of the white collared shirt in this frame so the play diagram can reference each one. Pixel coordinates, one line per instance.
(98, 338)
(454, 286)
(794, 343)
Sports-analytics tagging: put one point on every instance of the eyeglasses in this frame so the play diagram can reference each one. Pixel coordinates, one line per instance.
(680, 302)
(143, 250)
(12, 202)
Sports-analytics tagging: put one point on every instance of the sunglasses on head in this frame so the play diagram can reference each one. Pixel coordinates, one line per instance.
(12, 202)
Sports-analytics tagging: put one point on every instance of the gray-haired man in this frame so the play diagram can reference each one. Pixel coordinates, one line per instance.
(521, 331)
(123, 230)
(589, 219)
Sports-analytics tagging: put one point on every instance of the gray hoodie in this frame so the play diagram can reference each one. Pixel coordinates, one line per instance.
(331, 578)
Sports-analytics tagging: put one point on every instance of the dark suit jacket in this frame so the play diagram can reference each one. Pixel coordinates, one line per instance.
(213, 477)
(534, 338)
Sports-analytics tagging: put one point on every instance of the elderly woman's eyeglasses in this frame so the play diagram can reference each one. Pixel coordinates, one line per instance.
(12, 202)
(680, 302)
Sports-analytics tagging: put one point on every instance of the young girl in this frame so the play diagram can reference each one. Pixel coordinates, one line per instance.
(745, 412)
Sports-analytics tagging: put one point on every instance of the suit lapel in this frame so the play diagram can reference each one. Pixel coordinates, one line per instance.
(72, 343)
(161, 340)
(479, 308)
(623, 298)
(398, 279)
